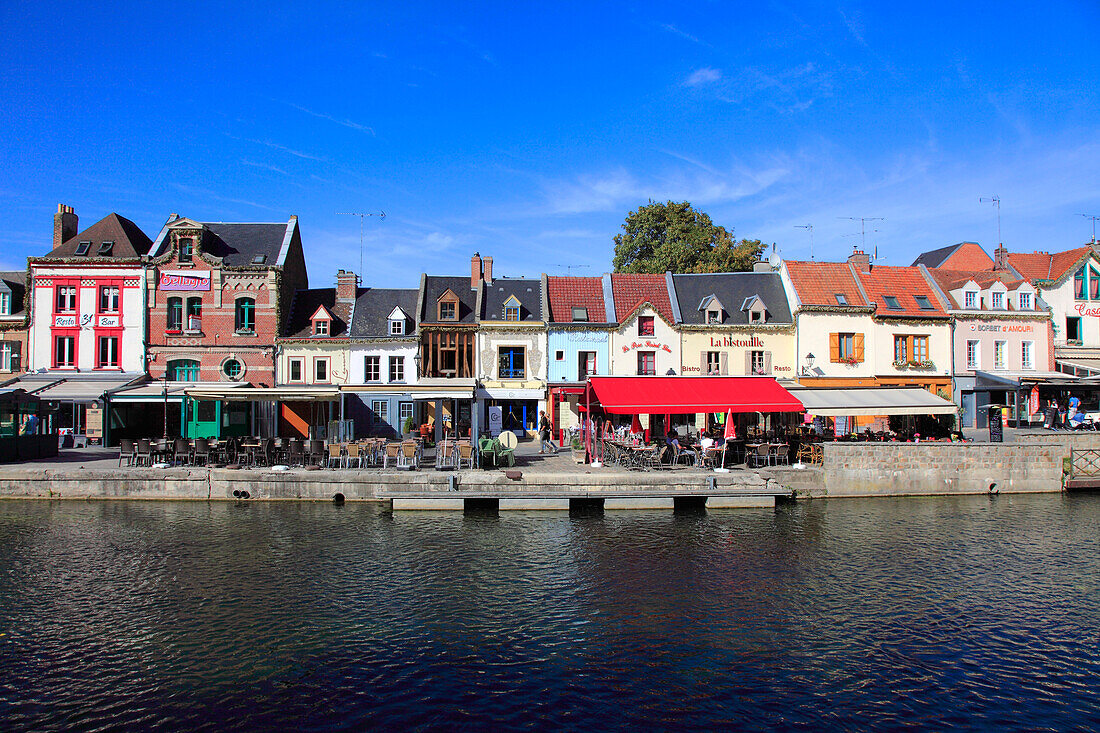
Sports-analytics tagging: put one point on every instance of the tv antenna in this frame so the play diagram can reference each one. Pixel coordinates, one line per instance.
(996, 201)
(381, 217)
(1094, 218)
(570, 267)
(811, 228)
(863, 229)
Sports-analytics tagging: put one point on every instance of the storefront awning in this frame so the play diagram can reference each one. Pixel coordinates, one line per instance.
(74, 387)
(680, 395)
(872, 401)
(151, 392)
(504, 393)
(1016, 379)
(264, 394)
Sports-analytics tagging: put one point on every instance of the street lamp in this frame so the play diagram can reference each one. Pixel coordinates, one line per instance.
(809, 363)
(164, 394)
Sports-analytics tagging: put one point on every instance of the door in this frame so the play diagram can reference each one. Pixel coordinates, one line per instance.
(203, 418)
(968, 409)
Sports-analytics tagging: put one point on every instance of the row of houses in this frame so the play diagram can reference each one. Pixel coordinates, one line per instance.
(211, 328)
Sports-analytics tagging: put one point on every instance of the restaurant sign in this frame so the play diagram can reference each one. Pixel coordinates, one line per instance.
(108, 322)
(646, 345)
(64, 321)
(184, 280)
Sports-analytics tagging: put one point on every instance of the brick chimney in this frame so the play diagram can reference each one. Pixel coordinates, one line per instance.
(861, 260)
(346, 284)
(1000, 258)
(475, 270)
(64, 225)
(488, 270)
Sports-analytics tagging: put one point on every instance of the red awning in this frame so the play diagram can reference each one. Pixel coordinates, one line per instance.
(661, 395)
(566, 390)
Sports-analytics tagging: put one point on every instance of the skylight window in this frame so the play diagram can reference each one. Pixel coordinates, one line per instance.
(105, 248)
(841, 299)
(892, 302)
(82, 248)
(259, 259)
(924, 303)
(580, 313)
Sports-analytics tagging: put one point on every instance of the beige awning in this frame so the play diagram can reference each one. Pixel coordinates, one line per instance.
(264, 394)
(872, 401)
(74, 387)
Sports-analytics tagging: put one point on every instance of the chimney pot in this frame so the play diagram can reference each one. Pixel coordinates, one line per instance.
(488, 270)
(1000, 258)
(64, 225)
(475, 270)
(861, 260)
(347, 282)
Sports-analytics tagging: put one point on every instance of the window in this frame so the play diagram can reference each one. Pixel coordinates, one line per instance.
(232, 368)
(999, 354)
(759, 362)
(175, 314)
(105, 249)
(1094, 284)
(647, 362)
(1027, 351)
(82, 249)
(714, 362)
(1024, 301)
(246, 315)
(194, 314)
(404, 411)
(511, 363)
(586, 365)
(846, 346)
(756, 316)
(9, 356)
(259, 259)
(320, 369)
(66, 299)
(296, 369)
(320, 328)
(64, 351)
(970, 299)
(511, 310)
(397, 369)
(645, 325)
(183, 370)
(381, 410)
(397, 327)
(997, 299)
(1079, 284)
(372, 368)
(841, 298)
(108, 299)
(1073, 328)
(448, 310)
(5, 304)
(892, 302)
(911, 348)
(923, 302)
(187, 249)
(108, 351)
(920, 348)
(972, 352)
(559, 355)
(713, 315)
(580, 313)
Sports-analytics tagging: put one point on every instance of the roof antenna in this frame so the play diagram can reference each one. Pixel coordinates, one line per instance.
(863, 229)
(381, 216)
(1094, 218)
(996, 201)
(811, 228)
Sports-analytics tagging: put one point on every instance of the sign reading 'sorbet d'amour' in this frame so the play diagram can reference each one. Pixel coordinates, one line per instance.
(184, 280)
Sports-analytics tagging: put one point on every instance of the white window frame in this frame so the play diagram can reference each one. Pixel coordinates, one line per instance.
(397, 327)
(7, 350)
(113, 294)
(758, 361)
(5, 304)
(381, 410)
(1000, 354)
(973, 354)
(404, 411)
(369, 361)
(997, 300)
(320, 327)
(970, 299)
(318, 361)
(300, 362)
(1023, 301)
(399, 362)
(112, 361)
(1027, 355)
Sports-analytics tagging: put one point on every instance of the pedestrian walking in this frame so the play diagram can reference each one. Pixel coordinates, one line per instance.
(546, 444)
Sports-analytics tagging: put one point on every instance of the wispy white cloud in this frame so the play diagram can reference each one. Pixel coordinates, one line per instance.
(705, 75)
(684, 34)
(276, 146)
(263, 166)
(338, 120)
(206, 194)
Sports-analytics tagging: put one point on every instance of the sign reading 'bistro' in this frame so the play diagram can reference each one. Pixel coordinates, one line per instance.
(184, 280)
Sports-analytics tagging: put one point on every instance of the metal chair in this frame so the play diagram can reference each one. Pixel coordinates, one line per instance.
(294, 452)
(126, 451)
(181, 454)
(445, 454)
(466, 454)
(201, 450)
(144, 455)
(335, 455)
(351, 453)
(761, 456)
(391, 453)
(782, 454)
(408, 458)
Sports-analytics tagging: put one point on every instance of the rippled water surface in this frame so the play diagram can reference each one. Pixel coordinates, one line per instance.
(968, 612)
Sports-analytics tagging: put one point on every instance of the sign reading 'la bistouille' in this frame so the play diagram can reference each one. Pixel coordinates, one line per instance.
(184, 280)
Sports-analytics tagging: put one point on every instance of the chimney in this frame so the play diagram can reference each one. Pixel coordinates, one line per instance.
(861, 260)
(64, 225)
(346, 285)
(1000, 258)
(475, 270)
(488, 271)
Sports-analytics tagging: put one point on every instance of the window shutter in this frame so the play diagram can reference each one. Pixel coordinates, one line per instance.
(834, 347)
(703, 362)
(858, 346)
(767, 362)
(748, 362)
(723, 362)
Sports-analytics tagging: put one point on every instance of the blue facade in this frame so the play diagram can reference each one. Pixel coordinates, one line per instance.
(569, 344)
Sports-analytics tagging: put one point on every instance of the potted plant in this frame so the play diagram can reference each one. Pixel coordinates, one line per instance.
(849, 360)
(577, 449)
(409, 428)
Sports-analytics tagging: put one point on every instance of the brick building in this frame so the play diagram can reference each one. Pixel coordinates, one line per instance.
(13, 323)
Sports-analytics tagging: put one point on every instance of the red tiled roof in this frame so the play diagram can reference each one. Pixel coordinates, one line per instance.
(967, 256)
(949, 280)
(565, 292)
(817, 283)
(903, 283)
(1044, 265)
(630, 291)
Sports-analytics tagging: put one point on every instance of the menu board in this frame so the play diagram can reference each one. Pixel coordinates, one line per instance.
(996, 426)
(93, 426)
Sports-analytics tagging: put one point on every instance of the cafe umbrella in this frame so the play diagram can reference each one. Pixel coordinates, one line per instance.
(730, 434)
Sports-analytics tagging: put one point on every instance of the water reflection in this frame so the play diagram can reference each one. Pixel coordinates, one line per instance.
(963, 611)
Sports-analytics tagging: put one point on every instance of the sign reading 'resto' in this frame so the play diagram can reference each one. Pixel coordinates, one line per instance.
(184, 280)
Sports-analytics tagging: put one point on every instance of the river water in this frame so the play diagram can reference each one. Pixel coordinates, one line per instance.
(970, 612)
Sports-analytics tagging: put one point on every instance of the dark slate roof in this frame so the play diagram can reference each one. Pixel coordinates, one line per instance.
(16, 284)
(435, 286)
(305, 304)
(237, 244)
(373, 308)
(528, 292)
(129, 241)
(731, 289)
(934, 258)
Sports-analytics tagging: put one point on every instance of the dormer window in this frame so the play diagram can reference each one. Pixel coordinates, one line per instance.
(970, 299)
(187, 249)
(397, 327)
(447, 311)
(756, 316)
(645, 325)
(580, 313)
(923, 302)
(1024, 300)
(259, 259)
(998, 299)
(82, 249)
(511, 309)
(841, 298)
(714, 316)
(105, 249)
(320, 328)
(892, 302)
(5, 304)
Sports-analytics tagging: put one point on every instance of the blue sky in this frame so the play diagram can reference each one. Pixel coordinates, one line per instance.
(529, 131)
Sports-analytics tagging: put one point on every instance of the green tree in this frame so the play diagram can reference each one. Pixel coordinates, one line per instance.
(674, 237)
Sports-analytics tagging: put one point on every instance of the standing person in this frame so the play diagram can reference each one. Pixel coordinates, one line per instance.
(546, 444)
(1061, 414)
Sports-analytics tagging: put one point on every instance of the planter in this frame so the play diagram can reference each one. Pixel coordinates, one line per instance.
(579, 456)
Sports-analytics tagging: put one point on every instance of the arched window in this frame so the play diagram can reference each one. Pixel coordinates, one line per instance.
(175, 314)
(183, 370)
(246, 315)
(194, 314)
